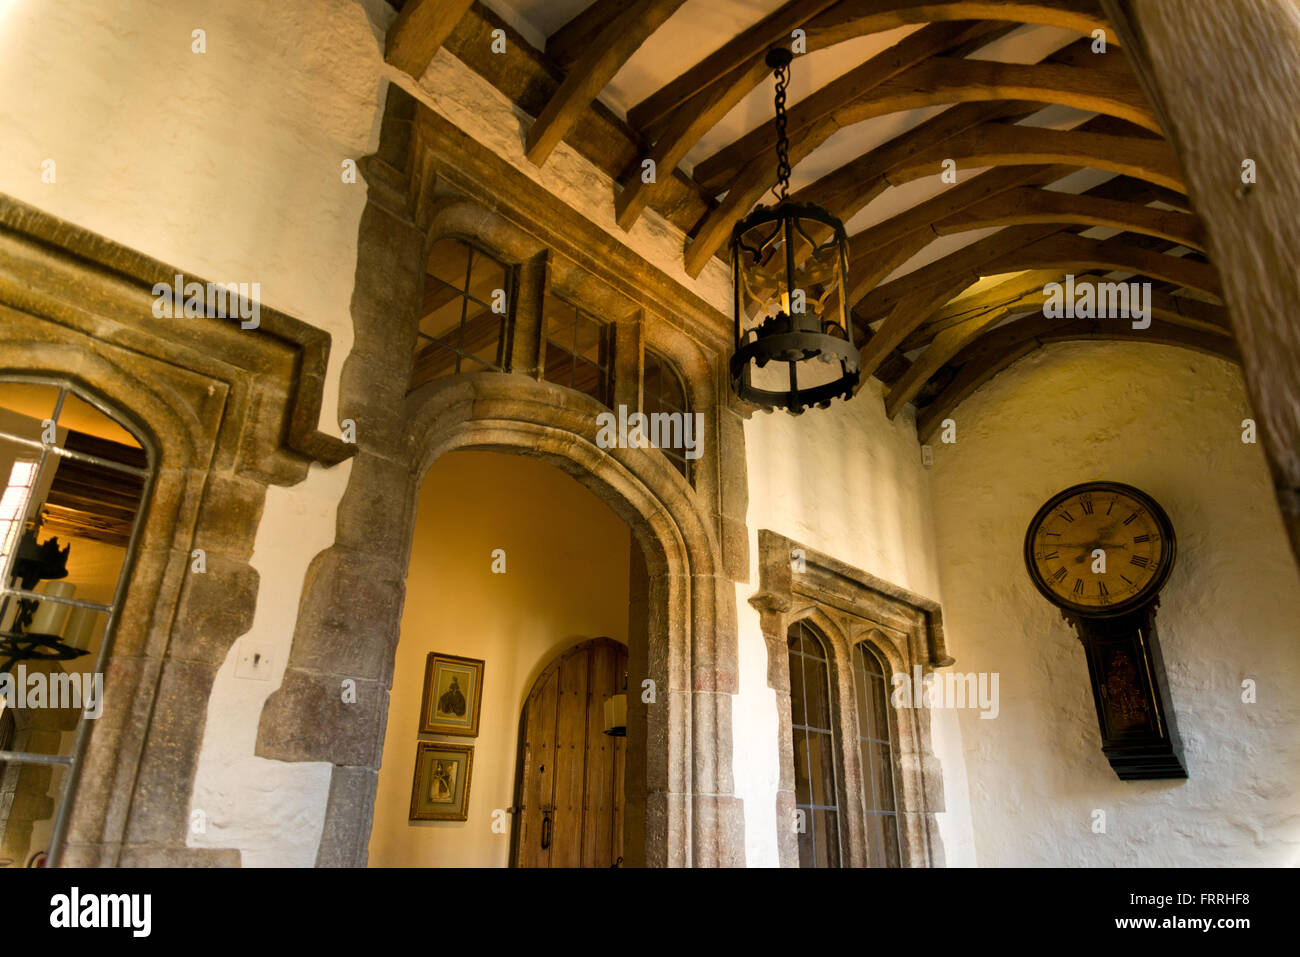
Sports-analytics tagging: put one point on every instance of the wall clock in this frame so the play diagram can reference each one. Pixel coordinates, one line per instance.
(1101, 552)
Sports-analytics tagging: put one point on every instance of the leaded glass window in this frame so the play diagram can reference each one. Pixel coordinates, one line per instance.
(816, 802)
(875, 743)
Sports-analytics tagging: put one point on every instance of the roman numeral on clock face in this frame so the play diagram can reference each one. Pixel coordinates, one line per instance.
(1133, 516)
(1078, 586)
(1066, 516)
(1140, 561)
(1105, 595)
(1059, 575)
(1050, 555)
(1086, 504)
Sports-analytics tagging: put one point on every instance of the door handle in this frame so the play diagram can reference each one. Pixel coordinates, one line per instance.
(547, 825)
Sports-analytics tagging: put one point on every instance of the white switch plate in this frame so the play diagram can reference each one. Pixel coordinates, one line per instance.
(253, 663)
(927, 455)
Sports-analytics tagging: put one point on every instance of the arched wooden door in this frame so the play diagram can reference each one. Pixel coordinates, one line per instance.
(569, 779)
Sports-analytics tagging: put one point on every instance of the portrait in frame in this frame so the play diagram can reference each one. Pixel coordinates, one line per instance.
(453, 695)
(440, 791)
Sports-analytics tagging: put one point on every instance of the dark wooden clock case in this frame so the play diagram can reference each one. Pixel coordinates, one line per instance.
(1138, 734)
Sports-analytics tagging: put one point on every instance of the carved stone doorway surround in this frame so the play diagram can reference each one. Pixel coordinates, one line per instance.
(427, 181)
(847, 606)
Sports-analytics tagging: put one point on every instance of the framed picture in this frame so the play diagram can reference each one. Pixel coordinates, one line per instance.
(453, 692)
(441, 788)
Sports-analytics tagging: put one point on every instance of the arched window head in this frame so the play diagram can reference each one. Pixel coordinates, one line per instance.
(816, 796)
(876, 746)
(464, 312)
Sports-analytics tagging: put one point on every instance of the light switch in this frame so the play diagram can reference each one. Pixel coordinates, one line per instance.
(253, 663)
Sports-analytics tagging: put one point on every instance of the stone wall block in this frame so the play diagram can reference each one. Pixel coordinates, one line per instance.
(161, 530)
(159, 811)
(308, 720)
(229, 516)
(371, 395)
(354, 622)
(104, 781)
(375, 512)
(216, 607)
(345, 840)
(173, 856)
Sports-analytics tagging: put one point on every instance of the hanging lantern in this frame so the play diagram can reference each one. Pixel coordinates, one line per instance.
(789, 269)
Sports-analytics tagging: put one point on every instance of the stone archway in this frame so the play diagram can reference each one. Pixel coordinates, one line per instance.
(349, 621)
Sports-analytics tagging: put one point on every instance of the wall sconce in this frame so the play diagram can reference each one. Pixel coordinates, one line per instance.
(616, 713)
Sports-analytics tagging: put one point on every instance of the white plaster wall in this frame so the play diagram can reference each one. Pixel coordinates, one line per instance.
(1168, 421)
(848, 482)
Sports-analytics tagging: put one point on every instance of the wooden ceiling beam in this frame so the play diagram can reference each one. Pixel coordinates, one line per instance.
(705, 111)
(827, 24)
(1009, 294)
(848, 189)
(419, 30)
(968, 264)
(853, 18)
(686, 128)
(528, 78)
(977, 258)
(759, 175)
(864, 246)
(951, 340)
(826, 101)
(903, 317)
(1024, 205)
(945, 345)
(1110, 90)
(908, 302)
(567, 44)
(1069, 251)
(1002, 144)
(613, 46)
(936, 80)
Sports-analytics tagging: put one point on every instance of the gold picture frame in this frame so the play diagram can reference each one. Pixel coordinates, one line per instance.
(440, 790)
(453, 695)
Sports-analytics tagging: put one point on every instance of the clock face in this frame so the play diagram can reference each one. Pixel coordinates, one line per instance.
(1100, 548)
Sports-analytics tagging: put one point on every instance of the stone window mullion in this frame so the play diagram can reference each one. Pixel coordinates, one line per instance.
(525, 341)
(629, 363)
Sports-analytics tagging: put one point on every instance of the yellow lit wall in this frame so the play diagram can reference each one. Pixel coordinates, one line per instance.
(566, 580)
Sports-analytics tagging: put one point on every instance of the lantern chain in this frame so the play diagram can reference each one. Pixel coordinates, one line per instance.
(782, 141)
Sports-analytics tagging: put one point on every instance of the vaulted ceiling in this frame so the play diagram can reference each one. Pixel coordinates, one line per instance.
(1060, 165)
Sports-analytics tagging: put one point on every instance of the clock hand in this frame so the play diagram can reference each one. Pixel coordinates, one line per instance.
(1088, 545)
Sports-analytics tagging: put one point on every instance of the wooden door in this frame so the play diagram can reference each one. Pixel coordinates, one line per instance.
(569, 779)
